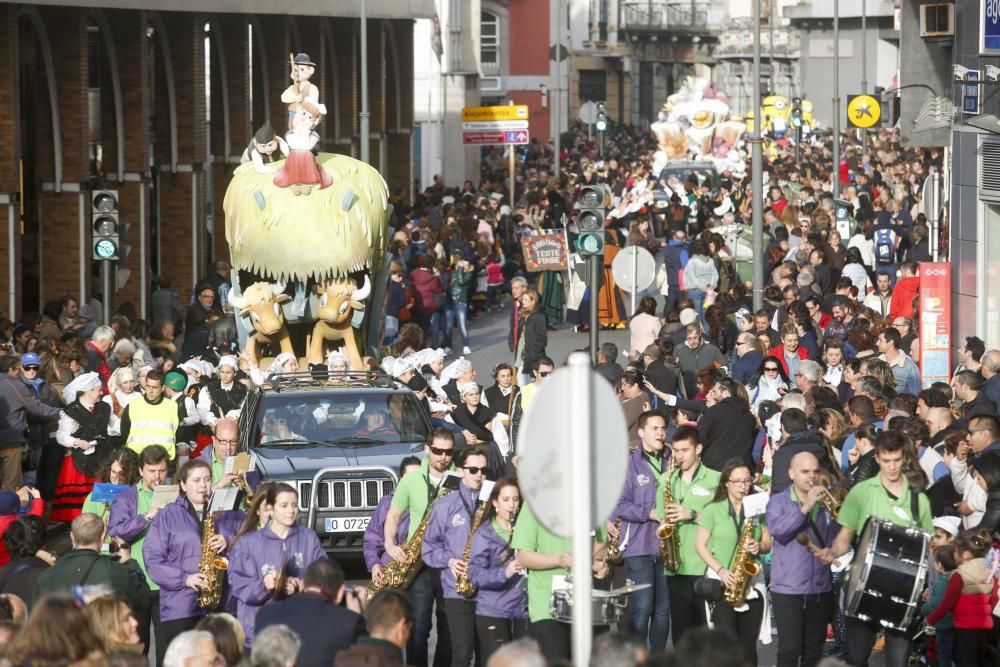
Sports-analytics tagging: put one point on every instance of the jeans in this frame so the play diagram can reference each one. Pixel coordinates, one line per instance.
(492, 633)
(744, 626)
(462, 625)
(801, 623)
(861, 636)
(391, 329)
(457, 314)
(947, 648)
(425, 591)
(493, 296)
(698, 296)
(649, 609)
(440, 334)
(687, 610)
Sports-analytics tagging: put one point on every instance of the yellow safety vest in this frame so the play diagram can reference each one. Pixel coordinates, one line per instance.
(152, 425)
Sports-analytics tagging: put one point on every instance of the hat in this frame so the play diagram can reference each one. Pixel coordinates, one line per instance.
(85, 382)
(10, 503)
(428, 355)
(688, 316)
(30, 359)
(338, 357)
(466, 387)
(191, 365)
(229, 360)
(175, 381)
(949, 524)
(206, 368)
(455, 369)
(304, 59)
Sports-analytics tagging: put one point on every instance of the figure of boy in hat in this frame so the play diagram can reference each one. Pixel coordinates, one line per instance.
(263, 147)
(301, 89)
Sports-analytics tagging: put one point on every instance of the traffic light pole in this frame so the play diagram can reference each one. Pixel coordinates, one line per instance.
(757, 171)
(595, 286)
(106, 289)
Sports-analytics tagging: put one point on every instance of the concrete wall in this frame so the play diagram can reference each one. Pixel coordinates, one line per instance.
(927, 62)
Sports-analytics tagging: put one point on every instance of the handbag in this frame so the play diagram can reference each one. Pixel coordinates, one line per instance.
(708, 589)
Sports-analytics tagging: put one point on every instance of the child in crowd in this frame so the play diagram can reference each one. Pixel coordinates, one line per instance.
(944, 630)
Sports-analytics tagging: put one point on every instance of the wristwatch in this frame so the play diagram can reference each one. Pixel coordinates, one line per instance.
(694, 515)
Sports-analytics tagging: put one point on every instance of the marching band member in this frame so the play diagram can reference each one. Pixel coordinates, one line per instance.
(501, 601)
(374, 541)
(649, 609)
(887, 496)
(121, 468)
(801, 584)
(224, 440)
(222, 396)
(547, 556)
(719, 529)
(692, 486)
(274, 556)
(172, 551)
(448, 532)
(415, 493)
(83, 430)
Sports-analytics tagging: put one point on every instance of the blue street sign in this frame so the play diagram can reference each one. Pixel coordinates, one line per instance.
(971, 98)
(989, 39)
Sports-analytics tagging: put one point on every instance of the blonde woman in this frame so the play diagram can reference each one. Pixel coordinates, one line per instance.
(112, 619)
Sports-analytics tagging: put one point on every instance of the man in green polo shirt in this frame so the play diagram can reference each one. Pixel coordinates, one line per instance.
(224, 440)
(692, 485)
(888, 497)
(546, 556)
(415, 493)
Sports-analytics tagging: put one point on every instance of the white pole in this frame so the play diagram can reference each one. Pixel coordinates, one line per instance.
(365, 116)
(558, 92)
(836, 99)
(582, 429)
(635, 276)
(757, 167)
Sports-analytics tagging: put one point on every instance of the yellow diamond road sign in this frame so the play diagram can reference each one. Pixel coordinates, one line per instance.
(863, 111)
(498, 113)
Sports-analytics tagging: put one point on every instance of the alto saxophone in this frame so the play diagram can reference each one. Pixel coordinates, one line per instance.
(401, 573)
(242, 484)
(670, 539)
(212, 566)
(615, 555)
(744, 566)
(463, 585)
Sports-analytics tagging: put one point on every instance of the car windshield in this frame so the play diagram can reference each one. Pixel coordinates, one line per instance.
(706, 175)
(345, 419)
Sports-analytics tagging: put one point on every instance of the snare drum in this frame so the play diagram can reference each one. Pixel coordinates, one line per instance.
(605, 607)
(887, 575)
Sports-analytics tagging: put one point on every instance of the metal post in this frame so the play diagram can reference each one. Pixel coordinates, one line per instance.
(106, 288)
(757, 170)
(836, 99)
(580, 467)
(557, 102)
(513, 162)
(864, 64)
(364, 116)
(635, 278)
(595, 286)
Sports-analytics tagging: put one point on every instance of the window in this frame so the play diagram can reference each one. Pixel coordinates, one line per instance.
(489, 43)
(593, 85)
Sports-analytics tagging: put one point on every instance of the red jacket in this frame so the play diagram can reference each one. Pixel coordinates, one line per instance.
(903, 293)
(779, 352)
(970, 597)
(36, 508)
(425, 285)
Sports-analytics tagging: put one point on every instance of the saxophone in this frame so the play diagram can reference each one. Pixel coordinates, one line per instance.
(463, 585)
(401, 573)
(615, 555)
(242, 484)
(670, 539)
(212, 566)
(744, 566)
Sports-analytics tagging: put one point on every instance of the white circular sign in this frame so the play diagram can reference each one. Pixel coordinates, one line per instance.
(588, 113)
(634, 269)
(545, 446)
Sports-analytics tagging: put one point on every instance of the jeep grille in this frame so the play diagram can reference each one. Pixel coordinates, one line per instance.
(354, 494)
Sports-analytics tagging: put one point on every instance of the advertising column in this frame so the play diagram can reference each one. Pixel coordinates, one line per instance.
(935, 323)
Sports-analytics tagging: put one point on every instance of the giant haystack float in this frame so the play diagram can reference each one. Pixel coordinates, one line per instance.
(307, 234)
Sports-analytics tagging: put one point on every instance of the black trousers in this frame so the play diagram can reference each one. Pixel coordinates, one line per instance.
(742, 625)
(861, 636)
(166, 631)
(462, 625)
(554, 638)
(687, 610)
(801, 622)
(145, 619)
(973, 648)
(493, 632)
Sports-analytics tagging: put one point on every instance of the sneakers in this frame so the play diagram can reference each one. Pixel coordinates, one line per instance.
(466, 350)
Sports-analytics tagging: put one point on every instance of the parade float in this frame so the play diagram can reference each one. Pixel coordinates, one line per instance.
(307, 234)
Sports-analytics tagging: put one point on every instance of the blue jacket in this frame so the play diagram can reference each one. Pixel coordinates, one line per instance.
(934, 599)
(498, 596)
(638, 498)
(675, 255)
(172, 552)
(794, 569)
(374, 540)
(991, 388)
(261, 552)
(745, 367)
(448, 532)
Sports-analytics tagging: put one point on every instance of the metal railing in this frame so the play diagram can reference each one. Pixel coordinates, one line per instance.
(671, 15)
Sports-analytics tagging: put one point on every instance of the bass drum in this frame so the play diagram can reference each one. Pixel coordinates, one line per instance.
(887, 575)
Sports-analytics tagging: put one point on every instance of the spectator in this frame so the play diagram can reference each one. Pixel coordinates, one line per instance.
(695, 354)
(190, 648)
(111, 618)
(24, 540)
(57, 633)
(228, 635)
(17, 404)
(905, 292)
(389, 618)
(607, 363)
(276, 646)
(167, 305)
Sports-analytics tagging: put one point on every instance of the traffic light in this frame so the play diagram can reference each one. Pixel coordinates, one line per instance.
(590, 220)
(105, 225)
(796, 118)
(602, 117)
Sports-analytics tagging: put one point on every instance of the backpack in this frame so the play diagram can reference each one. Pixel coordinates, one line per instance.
(885, 252)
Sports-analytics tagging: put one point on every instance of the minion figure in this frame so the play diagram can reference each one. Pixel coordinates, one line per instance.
(775, 112)
(808, 122)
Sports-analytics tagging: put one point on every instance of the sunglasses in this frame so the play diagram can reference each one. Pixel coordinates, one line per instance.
(442, 452)
(475, 470)
(31, 368)
(771, 368)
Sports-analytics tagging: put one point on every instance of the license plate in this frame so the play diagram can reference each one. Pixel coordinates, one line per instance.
(346, 524)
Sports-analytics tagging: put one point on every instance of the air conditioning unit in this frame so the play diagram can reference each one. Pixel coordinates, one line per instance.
(989, 171)
(490, 84)
(937, 20)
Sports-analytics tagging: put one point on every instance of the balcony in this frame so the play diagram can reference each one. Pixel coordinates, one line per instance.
(671, 16)
(736, 40)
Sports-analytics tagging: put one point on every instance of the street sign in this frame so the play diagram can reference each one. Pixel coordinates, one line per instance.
(863, 111)
(515, 137)
(482, 138)
(547, 446)
(494, 125)
(508, 112)
(971, 98)
(634, 269)
(588, 113)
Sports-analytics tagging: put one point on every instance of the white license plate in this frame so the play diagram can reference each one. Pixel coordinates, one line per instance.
(346, 524)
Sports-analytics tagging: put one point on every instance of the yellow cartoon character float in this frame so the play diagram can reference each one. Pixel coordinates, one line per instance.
(307, 240)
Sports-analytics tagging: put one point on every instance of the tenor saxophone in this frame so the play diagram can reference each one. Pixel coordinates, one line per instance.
(463, 585)
(670, 539)
(212, 566)
(743, 566)
(401, 573)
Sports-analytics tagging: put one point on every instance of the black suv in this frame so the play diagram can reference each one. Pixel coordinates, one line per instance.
(339, 441)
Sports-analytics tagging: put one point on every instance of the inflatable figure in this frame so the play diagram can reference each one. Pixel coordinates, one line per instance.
(261, 302)
(775, 111)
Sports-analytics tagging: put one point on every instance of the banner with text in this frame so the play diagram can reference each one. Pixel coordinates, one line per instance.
(935, 322)
(545, 252)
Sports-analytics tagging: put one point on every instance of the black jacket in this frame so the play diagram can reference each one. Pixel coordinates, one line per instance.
(324, 628)
(86, 567)
(728, 431)
(611, 371)
(536, 337)
(991, 517)
(662, 377)
(807, 441)
(865, 468)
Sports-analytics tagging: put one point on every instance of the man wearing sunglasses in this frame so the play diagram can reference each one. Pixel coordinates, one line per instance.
(444, 546)
(415, 493)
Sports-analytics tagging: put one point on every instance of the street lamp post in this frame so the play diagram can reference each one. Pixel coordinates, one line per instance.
(757, 169)
(557, 102)
(836, 100)
(364, 115)
(864, 64)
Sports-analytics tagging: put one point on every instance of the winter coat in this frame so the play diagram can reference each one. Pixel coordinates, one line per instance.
(425, 285)
(970, 597)
(692, 360)
(36, 508)
(728, 431)
(700, 273)
(261, 552)
(638, 497)
(903, 293)
(535, 339)
(17, 403)
(498, 596)
(87, 567)
(807, 441)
